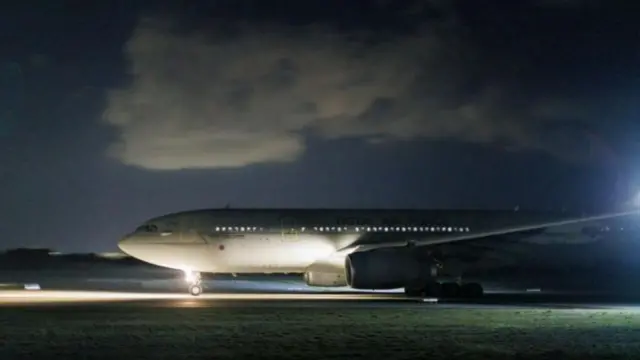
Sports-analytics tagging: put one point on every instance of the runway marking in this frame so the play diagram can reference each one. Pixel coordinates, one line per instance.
(54, 296)
(12, 298)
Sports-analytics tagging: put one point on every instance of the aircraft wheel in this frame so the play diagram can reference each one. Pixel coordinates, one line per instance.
(195, 289)
(431, 289)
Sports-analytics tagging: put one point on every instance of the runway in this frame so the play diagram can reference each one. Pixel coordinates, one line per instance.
(56, 324)
(13, 298)
(53, 298)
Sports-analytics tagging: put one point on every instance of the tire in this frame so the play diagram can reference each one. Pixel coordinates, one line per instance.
(195, 290)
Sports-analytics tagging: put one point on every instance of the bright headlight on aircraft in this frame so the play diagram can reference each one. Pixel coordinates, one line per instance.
(635, 202)
(189, 275)
(313, 251)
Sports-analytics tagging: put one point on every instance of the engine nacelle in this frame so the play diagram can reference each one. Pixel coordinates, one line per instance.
(325, 279)
(384, 269)
(326, 273)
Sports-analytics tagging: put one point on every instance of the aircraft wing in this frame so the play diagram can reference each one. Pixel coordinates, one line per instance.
(457, 237)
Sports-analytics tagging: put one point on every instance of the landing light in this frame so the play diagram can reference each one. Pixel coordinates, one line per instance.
(635, 202)
(189, 275)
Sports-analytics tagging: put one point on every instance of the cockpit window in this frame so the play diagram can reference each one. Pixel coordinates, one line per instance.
(147, 228)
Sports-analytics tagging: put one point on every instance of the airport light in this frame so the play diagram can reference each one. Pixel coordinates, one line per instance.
(189, 275)
(635, 202)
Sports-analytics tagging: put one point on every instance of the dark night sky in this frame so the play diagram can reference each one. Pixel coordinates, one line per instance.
(114, 112)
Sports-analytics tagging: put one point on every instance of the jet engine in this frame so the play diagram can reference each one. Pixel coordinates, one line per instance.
(384, 269)
(325, 274)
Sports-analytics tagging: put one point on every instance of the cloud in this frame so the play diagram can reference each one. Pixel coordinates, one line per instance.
(200, 100)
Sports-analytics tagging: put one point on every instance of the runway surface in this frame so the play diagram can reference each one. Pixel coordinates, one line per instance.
(53, 298)
(57, 324)
(58, 297)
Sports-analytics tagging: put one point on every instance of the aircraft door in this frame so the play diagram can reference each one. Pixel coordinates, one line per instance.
(289, 229)
(188, 229)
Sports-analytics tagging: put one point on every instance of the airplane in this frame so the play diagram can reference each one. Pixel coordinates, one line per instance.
(358, 248)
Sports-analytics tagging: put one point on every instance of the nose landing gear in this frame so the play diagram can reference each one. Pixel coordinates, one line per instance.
(195, 289)
(195, 283)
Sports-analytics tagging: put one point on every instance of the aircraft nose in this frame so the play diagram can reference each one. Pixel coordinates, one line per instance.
(125, 244)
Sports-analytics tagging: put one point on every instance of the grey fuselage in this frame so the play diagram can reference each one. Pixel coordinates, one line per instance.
(290, 240)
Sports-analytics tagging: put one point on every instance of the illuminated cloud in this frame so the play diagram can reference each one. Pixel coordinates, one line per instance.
(200, 100)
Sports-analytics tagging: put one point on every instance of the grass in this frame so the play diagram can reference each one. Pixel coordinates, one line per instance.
(129, 332)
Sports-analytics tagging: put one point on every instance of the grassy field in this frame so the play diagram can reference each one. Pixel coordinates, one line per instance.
(127, 332)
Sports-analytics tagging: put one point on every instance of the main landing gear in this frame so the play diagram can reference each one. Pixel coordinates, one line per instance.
(447, 290)
(195, 282)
